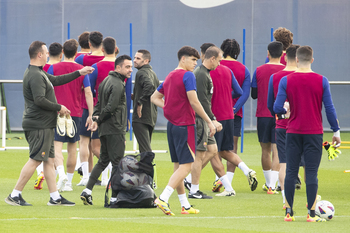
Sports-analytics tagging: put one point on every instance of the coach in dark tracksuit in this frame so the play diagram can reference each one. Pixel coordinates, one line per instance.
(110, 115)
(144, 112)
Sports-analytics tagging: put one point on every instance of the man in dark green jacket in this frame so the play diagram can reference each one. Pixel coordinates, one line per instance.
(110, 116)
(144, 115)
(39, 121)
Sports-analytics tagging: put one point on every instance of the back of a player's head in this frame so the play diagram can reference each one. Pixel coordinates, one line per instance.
(95, 39)
(284, 36)
(305, 54)
(291, 51)
(187, 51)
(120, 60)
(205, 46)
(55, 49)
(109, 44)
(34, 48)
(70, 48)
(275, 49)
(145, 54)
(84, 40)
(230, 47)
(212, 51)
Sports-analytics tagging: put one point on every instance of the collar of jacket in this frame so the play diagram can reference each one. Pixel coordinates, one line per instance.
(117, 75)
(146, 66)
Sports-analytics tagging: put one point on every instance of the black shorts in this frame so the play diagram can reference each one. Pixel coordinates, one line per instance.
(281, 144)
(266, 129)
(41, 146)
(83, 129)
(65, 138)
(237, 125)
(182, 143)
(224, 138)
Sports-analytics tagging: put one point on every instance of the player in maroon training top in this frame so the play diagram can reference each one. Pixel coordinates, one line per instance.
(265, 121)
(55, 55)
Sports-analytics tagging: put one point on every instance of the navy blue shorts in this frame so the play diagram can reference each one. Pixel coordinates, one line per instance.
(281, 144)
(76, 137)
(266, 129)
(182, 143)
(237, 125)
(83, 130)
(224, 138)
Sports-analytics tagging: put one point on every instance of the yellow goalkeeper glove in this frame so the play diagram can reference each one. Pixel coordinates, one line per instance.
(332, 152)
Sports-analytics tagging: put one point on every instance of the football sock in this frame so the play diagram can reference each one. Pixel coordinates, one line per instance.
(189, 178)
(88, 191)
(311, 213)
(183, 200)
(230, 176)
(194, 188)
(110, 167)
(15, 193)
(216, 177)
(104, 175)
(60, 170)
(284, 198)
(70, 178)
(166, 193)
(85, 169)
(55, 195)
(267, 176)
(243, 167)
(39, 169)
(113, 199)
(226, 183)
(273, 179)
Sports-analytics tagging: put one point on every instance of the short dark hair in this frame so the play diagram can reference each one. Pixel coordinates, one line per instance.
(109, 45)
(145, 54)
(95, 38)
(205, 46)
(84, 40)
(292, 51)
(304, 54)
(275, 49)
(212, 51)
(230, 47)
(55, 49)
(34, 48)
(284, 36)
(119, 60)
(187, 51)
(70, 48)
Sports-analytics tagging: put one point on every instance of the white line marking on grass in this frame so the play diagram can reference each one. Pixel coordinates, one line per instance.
(156, 217)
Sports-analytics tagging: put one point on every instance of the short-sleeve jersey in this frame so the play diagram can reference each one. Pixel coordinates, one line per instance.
(242, 76)
(261, 78)
(88, 59)
(101, 71)
(70, 94)
(276, 78)
(177, 108)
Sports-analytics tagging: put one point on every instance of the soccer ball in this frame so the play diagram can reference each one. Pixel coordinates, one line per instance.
(325, 209)
(129, 180)
(143, 179)
(129, 163)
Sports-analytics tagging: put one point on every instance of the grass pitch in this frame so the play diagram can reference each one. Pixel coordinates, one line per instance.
(247, 212)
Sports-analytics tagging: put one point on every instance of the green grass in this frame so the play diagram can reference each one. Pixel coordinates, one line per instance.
(247, 212)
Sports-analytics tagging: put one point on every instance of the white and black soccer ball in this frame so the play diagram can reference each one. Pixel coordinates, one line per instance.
(129, 180)
(325, 209)
(129, 163)
(143, 179)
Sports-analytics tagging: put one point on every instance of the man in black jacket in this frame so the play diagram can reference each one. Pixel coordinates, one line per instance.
(144, 115)
(110, 116)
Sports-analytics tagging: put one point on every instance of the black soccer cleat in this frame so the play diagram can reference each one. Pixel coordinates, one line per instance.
(16, 201)
(61, 201)
(86, 198)
(199, 195)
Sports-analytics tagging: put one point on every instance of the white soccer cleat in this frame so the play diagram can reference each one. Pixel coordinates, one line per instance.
(253, 182)
(61, 125)
(67, 188)
(70, 126)
(83, 182)
(226, 194)
(61, 183)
